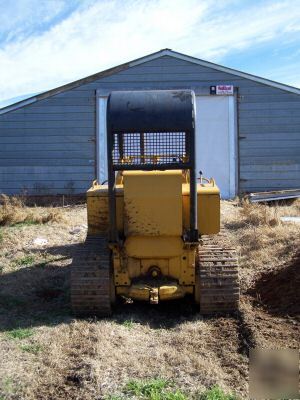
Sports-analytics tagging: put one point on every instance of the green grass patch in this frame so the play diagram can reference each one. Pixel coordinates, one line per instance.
(24, 223)
(24, 261)
(162, 389)
(47, 259)
(39, 260)
(1, 236)
(8, 387)
(146, 389)
(154, 389)
(20, 333)
(216, 393)
(31, 348)
(128, 323)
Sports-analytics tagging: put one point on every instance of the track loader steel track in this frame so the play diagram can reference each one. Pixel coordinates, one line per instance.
(91, 278)
(217, 275)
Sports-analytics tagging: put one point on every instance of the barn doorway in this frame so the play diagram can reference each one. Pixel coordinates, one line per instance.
(216, 141)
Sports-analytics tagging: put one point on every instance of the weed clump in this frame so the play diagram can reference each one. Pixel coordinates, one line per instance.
(216, 393)
(13, 212)
(31, 348)
(259, 214)
(162, 389)
(154, 389)
(24, 261)
(20, 333)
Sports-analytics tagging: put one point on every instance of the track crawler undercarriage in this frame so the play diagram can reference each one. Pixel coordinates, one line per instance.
(150, 228)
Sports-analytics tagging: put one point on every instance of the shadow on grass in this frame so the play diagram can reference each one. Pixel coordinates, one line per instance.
(40, 295)
(164, 315)
(37, 294)
(34, 296)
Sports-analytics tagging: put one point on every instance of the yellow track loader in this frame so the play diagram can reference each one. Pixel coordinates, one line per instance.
(150, 223)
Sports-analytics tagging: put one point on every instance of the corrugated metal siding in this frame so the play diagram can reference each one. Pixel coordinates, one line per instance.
(269, 140)
(49, 146)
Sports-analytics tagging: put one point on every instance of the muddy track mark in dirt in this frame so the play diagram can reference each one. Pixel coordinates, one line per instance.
(247, 335)
(225, 343)
(80, 370)
(73, 376)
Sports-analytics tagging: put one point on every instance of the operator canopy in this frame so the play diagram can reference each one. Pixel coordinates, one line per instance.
(151, 111)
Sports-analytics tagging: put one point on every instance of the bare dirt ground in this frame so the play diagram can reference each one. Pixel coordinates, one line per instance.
(47, 354)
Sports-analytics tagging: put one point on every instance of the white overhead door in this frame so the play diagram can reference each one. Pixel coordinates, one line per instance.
(216, 141)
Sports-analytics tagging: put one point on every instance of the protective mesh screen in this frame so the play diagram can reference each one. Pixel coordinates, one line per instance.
(150, 149)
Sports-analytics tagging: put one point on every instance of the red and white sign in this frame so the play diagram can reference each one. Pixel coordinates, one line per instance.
(224, 89)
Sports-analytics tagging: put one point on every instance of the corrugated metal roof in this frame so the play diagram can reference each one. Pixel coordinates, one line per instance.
(153, 56)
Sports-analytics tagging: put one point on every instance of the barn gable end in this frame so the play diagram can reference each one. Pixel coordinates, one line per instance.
(48, 146)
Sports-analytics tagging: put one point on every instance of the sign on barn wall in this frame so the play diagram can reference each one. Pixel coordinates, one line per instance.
(222, 90)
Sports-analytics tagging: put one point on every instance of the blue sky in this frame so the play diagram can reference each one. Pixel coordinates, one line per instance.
(47, 43)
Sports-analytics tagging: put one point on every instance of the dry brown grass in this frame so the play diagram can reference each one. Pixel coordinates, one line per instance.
(61, 357)
(13, 211)
(264, 242)
(91, 359)
(259, 214)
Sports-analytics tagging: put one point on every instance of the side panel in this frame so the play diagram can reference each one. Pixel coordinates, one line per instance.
(208, 213)
(208, 209)
(97, 210)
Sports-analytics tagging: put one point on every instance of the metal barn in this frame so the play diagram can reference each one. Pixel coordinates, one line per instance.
(248, 128)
